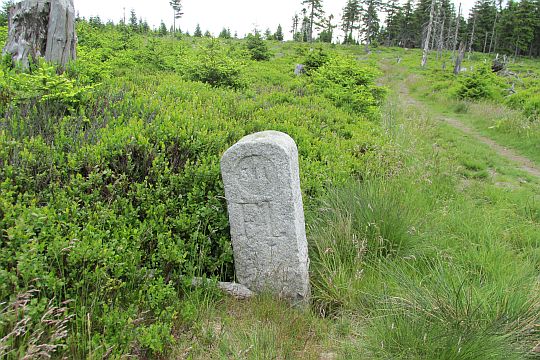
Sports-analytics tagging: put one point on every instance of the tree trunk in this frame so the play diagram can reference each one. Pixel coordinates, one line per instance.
(42, 28)
(61, 39)
(459, 59)
(493, 31)
(472, 35)
(311, 20)
(458, 23)
(368, 35)
(441, 36)
(428, 34)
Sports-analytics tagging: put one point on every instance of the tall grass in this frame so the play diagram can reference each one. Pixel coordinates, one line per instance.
(430, 269)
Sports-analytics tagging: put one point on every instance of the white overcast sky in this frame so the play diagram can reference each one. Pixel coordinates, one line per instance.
(238, 15)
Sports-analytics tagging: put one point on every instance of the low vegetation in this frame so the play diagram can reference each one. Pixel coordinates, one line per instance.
(423, 244)
(504, 106)
(111, 189)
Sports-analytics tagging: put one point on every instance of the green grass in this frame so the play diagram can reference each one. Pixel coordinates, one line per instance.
(512, 123)
(463, 282)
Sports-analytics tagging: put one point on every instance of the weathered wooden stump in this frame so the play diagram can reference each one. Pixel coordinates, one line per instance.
(42, 28)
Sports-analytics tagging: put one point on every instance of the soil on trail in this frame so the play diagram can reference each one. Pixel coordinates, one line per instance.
(523, 163)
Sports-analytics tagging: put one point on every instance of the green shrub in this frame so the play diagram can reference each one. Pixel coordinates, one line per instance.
(42, 85)
(212, 65)
(257, 47)
(527, 100)
(349, 85)
(105, 210)
(479, 84)
(315, 59)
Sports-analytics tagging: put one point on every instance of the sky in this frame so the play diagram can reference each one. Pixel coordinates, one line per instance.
(238, 15)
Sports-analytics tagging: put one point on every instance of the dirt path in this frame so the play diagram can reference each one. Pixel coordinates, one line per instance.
(523, 163)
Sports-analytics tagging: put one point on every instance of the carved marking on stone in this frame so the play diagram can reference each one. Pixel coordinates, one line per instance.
(256, 175)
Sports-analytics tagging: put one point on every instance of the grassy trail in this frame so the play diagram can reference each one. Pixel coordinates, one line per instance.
(525, 164)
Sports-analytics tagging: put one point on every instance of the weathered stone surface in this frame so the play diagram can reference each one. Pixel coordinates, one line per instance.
(262, 187)
(299, 70)
(238, 291)
(42, 28)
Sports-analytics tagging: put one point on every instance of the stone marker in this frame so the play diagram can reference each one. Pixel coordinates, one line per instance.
(262, 187)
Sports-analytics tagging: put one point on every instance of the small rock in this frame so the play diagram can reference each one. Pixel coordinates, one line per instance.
(299, 70)
(328, 356)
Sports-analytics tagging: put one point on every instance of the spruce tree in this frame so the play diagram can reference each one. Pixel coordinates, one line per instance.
(295, 25)
(316, 13)
(350, 19)
(225, 34)
(304, 30)
(420, 22)
(278, 35)
(268, 34)
(198, 31)
(484, 11)
(177, 11)
(407, 27)
(328, 30)
(526, 26)
(394, 16)
(535, 48)
(371, 21)
(95, 21)
(133, 22)
(162, 29)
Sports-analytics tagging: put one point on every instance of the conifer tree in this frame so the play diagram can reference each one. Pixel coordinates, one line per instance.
(177, 11)
(350, 19)
(484, 11)
(95, 21)
(162, 29)
(394, 17)
(225, 34)
(133, 22)
(294, 30)
(328, 30)
(407, 26)
(421, 19)
(4, 12)
(316, 13)
(278, 35)
(535, 48)
(304, 30)
(198, 31)
(371, 21)
(268, 34)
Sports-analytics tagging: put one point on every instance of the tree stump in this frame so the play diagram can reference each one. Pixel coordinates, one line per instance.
(42, 28)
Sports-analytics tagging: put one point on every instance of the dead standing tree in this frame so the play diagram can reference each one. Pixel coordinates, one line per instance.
(42, 28)
(459, 58)
(428, 34)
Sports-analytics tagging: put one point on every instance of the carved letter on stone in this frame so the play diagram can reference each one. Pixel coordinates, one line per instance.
(262, 187)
